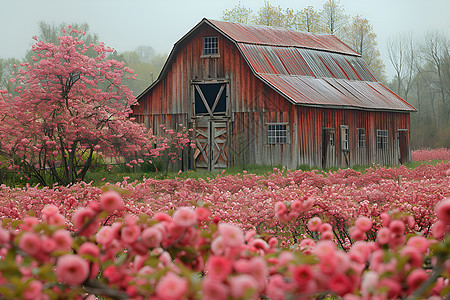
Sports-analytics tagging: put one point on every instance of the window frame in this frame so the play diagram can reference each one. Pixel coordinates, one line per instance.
(345, 138)
(208, 45)
(277, 139)
(361, 143)
(382, 139)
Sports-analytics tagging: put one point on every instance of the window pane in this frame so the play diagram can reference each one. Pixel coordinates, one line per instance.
(277, 133)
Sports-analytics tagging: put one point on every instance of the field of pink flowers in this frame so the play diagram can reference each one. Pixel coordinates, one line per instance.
(427, 154)
(287, 234)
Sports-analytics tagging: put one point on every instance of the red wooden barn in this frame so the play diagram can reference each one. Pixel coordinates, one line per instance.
(260, 95)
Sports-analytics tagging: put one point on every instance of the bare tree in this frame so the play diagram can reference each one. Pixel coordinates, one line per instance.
(334, 19)
(239, 14)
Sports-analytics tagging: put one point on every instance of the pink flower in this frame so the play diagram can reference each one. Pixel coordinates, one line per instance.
(280, 208)
(413, 254)
(438, 230)
(386, 219)
(49, 210)
(443, 211)
(4, 236)
(218, 246)
(90, 249)
(314, 224)
(325, 249)
(383, 235)
(202, 213)
(172, 287)
(151, 237)
(302, 274)
(397, 227)
(308, 203)
(130, 234)
(84, 216)
(63, 240)
(33, 290)
(111, 201)
(357, 234)
(419, 242)
(364, 224)
(297, 205)
(341, 284)
(30, 243)
(218, 268)
(243, 285)
(105, 235)
(185, 217)
(214, 290)
(232, 235)
(416, 278)
(72, 269)
(393, 287)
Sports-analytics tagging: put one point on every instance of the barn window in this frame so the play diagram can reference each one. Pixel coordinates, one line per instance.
(361, 137)
(210, 45)
(382, 139)
(277, 133)
(210, 99)
(344, 138)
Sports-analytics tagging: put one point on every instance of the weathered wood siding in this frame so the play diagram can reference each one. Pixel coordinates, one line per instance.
(254, 104)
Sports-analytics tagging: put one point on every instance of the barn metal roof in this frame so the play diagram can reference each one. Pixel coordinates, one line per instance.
(278, 36)
(310, 69)
(307, 69)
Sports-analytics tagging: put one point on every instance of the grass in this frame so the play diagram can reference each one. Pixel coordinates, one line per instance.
(102, 176)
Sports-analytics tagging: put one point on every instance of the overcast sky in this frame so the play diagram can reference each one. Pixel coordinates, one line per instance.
(126, 24)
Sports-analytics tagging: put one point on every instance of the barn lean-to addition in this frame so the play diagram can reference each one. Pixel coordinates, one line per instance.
(260, 95)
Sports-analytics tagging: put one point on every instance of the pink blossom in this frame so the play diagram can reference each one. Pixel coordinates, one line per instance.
(438, 230)
(89, 249)
(280, 208)
(232, 235)
(214, 290)
(33, 290)
(30, 243)
(340, 284)
(443, 211)
(72, 269)
(416, 278)
(185, 217)
(218, 268)
(386, 219)
(105, 235)
(297, 205)
(202, 213)
(364, 224)
(392, 286)
(397, 227)
(63, 239)
(49, 210)
(357, 234)
(325, 249)
(172, 287)
(130, 234)
(84, 220)
(314, 224)
(419, 242)
(4, 236)
(218, 246)
(111, 201)
(302, 274)
(243, 285)
(383, 235)
(151, 237)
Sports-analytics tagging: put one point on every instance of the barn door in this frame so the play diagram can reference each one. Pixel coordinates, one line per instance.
(212, 145)
(210, 99)
(328, 148)
(403, 145)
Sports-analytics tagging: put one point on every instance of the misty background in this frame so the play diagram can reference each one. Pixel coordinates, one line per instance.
(405, 42)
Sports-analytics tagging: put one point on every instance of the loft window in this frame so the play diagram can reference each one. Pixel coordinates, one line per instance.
(361, 137)
(277, 133)
(382, 139)
(344, 138)
(210, 45)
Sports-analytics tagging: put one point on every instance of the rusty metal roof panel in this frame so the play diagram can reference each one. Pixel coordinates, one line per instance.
(268, 35)
(336, 92)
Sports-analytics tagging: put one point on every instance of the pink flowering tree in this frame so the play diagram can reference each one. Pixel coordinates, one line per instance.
(68, 109)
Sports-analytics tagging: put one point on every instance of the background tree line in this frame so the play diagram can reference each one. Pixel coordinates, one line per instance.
(421, 64)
